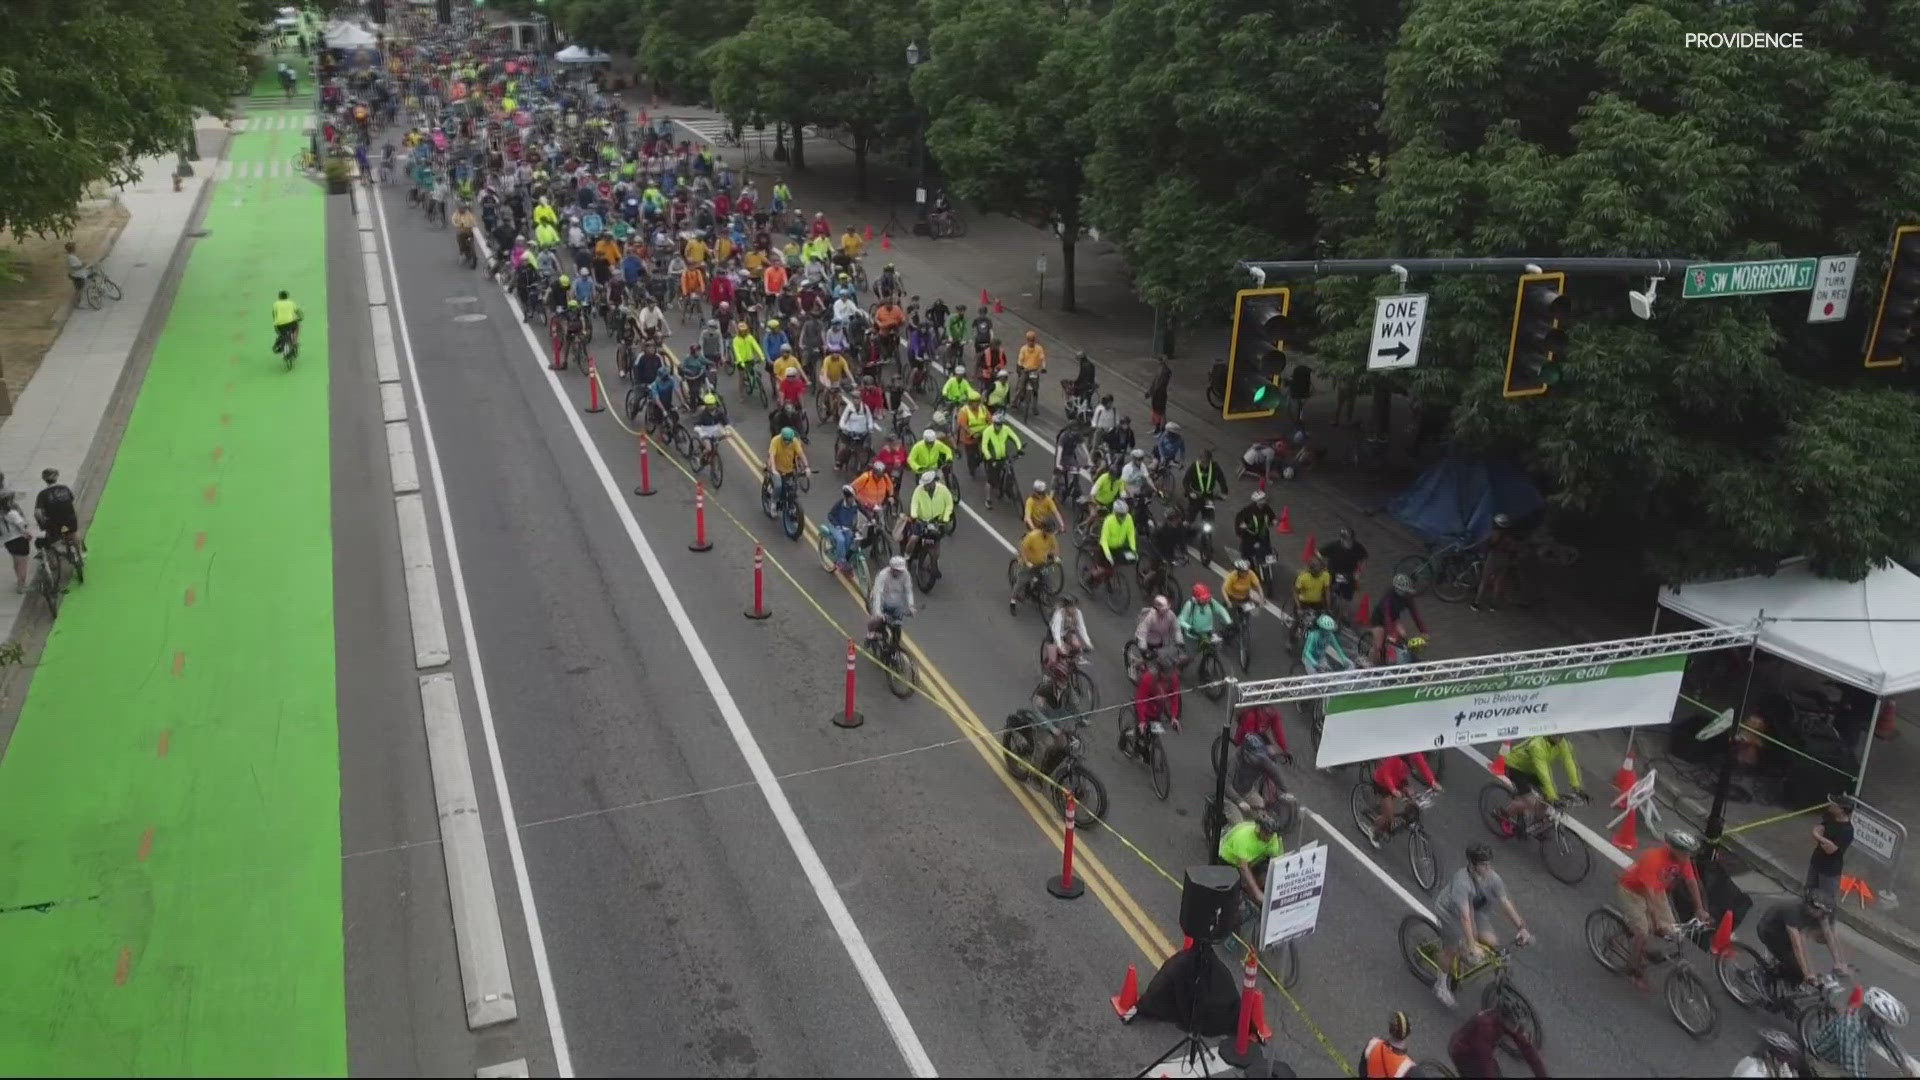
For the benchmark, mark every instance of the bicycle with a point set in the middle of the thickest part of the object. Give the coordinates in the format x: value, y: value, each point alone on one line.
x: 306, y: 161
x: 1567, y: 857
x: 1049, y: 749
x: 1445, y: 562
x: 1209, y: 671
x: 1420, y: 948
x: 1153, y: 752
x: 704, y: 453
x: 98, y: 287
x: 1026, y: 394
x: 924, y: 563
x: 50, y: 578
x: 1277, y: 801
x: 1000, y: 479
x: 1749, y: 978
x: 1066, y: 682
x: 287, y: 342
x: 752, y: 386
x: 785, y: 507
x: 1098, y: 579
x: 902, y: 675
x: 1364, y: 803
x: 1042, y: 585
x: 1687, y: 997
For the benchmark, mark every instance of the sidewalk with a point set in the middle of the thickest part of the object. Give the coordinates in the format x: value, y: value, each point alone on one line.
x: 57, y: 419
x: 1600, y: 598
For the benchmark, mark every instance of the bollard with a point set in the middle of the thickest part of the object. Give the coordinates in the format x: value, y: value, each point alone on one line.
x: 646, y: 480
x: 559, y: 358
x: 849, y: 718
x: 759, y: 609
x: 1238, y: 1054
x: 1065, y: 887
x: 593, y: 388
x: 700, y: 542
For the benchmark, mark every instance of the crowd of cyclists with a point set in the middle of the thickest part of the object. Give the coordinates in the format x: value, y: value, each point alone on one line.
x: 606, y: 223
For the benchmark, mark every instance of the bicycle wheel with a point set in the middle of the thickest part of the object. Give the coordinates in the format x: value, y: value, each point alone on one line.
x: 1567, y: 857
x: 49, y: 581
x: 1219, y: 751
x: 1608, y: 939
x: 1458, y: 580
x: 107, y: 286
x: 91, y: 293
x: 76, y: 560
x: 1364, y: 803
x: 1082, y: 696
x: 1132, y: 659
x: 827, y: 561
x: 1243, y: 646
x: 1158, y: 767
x: 1089, y: 795
x: 716, y: 467
x: 1418, y: 570
x: 1494, y: 798
x: 1116, y: 594
x: 957, y: 229
x: 1422, y: 859
x: 1420, y: 947
x: 1742, y: 972
x: 790, y: 520
x: 1690, y: 1003
x: 1503, y: 995
x: 1813, y: 1021
x: 903, y: 677
x: 1212, y: 675
x: 923, y: 575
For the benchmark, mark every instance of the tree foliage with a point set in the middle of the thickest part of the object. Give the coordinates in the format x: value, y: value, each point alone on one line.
x: 1724, y: 434
x: 669, y: 39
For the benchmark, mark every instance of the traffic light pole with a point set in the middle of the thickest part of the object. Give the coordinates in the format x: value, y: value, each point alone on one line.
x: 1528, y: 264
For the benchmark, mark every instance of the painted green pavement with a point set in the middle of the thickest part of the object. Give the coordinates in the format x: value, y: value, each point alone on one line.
x: 171, y: 795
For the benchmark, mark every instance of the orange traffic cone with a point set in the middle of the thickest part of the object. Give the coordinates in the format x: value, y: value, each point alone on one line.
x: 1261, y: 1029
x: 1627, y: 836
x: 1186, y: 943
x: 1128, y: 997
x: 869, y: 234
x: 886, y: 241
x: 998, y: 307
x: 1311, y: 550
x: 1500, y: 760
x: 1853, y: 999
x: 1623, y: 779
x: 1285, y: 528
x: 983, y: 298
x: 1365, y: 610
x: 1723, y: 937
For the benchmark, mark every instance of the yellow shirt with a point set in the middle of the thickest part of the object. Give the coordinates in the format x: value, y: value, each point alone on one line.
x: 755, y: 262
x: 1037, y: 547
x: 1032, y: 357
x: 783, y: 365
x: 1040, y: 508
x: 850, y: 244
x: 783, y: 456
x: 696, y: 250
x: 1239, y: 584
x: 833, y: 369
x: 284, y: 312
x: 723, y: 249
x: 1311, y: 588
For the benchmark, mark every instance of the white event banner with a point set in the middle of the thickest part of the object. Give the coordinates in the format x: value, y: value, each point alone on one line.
x: 1381, y: 723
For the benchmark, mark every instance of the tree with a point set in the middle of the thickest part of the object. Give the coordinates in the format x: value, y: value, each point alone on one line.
x: 1723, y: 435
x: 87, y: 87
x: 668, y: 39
x: 1008, y: 89
x: 1229, y: 129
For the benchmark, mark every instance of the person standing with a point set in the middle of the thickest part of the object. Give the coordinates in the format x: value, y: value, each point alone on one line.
x: 13, y: 533
x: 1157, y: 395
x: 1831, y: 839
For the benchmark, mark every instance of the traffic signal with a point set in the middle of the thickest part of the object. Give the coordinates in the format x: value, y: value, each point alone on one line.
x: 1539, y: 340
x: 1257, y: 354
x: 1891, y: 341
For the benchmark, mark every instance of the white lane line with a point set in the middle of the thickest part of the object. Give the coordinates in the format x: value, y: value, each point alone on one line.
x: 828, y: 894
x: 1594, y: 840
x: 515, y: 1068
x: 536, y: 939
x: 423, y: 585
x: 463, y: 847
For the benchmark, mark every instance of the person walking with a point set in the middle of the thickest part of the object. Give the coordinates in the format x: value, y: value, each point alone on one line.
x: 14, y: 534
x: 1831, y: 839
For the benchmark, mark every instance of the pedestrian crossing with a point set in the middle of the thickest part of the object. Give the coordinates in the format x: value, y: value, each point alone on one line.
x: 282, y: 121
x: 715, y: 129
x: 257, y: 170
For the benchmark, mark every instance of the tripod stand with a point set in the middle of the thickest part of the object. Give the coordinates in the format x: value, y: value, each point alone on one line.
x: 1192, y: 1050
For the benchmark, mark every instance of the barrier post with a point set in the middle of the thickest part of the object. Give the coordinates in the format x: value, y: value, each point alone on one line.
x: 759, y: 609
x: 700, y: 542
x: 1065, y: 887
x: 849, y: 718
x: 1239, y: 1054
x: 645, y: 486
x: 593, y: 388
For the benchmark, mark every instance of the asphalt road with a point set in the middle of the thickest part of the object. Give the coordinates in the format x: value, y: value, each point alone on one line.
x: 684, y: 931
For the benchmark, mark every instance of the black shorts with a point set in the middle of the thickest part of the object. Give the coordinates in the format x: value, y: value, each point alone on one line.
x: 1343, y: 586
x: 18, y: 546
x: 1524, y: 782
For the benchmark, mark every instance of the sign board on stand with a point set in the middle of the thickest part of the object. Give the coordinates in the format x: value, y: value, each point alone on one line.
x: 1832, y: 285
x: 1397, y: 325
x: 1295, y: 882
x: 1876, y: 834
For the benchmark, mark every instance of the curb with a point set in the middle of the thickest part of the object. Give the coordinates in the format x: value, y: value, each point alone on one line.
x: 1883, y: 931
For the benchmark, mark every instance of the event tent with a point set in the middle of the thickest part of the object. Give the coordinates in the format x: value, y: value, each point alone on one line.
x: 345, y: 35
x: 575, y: 54
x: 1864, y: 633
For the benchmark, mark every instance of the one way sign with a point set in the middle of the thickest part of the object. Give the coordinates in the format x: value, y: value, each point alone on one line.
x: 1397, y: 323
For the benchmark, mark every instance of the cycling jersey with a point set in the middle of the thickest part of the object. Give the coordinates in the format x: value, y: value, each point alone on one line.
x: 998, y: 440
x: 1117, y: 533
x: 1393, y: 773
x: 785, y: 365
x: 746, y: 351
x: 1656, y: 871
x: 1106, y: 488
x: 1037, y: 547
x: 1239, y: 585
x: 932, y: 504
x: 928, y: 458
x: 872, y: 490
x: 1241, y: 845
x: 1041, y: 508
x: 1310, y: 589
x: 1319, y: 643
x: 1201, y: 620
x: 285, y: 312
x: 834, y: 369
x: 1536, y: 758
x: 784, y: 457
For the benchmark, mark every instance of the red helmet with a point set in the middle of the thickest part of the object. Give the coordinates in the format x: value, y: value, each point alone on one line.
x: 1201, y: 593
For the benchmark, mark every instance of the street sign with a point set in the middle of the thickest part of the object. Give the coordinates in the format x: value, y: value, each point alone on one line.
x: 1711, y: 281
x: 1295, y: 882
x: 1397, y: 325
x: 1876, y: 834
x: 1832, y: 284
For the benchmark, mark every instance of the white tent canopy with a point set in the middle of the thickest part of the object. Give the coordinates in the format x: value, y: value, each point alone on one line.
x: 1881, y: 657
x: 575, y: 54
x: 345, y: 35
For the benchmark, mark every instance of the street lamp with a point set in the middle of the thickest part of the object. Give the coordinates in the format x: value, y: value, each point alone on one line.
x: 920, y: 194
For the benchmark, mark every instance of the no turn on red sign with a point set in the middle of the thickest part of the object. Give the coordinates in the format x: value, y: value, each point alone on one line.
x: 1832, y: 285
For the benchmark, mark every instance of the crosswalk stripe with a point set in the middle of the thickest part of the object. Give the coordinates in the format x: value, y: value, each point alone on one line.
x: 274, y: 172
x: 223, y: 171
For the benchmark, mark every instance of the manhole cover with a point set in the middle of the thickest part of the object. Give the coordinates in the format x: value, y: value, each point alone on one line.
x: 470, y: 317
x: 463, y: 300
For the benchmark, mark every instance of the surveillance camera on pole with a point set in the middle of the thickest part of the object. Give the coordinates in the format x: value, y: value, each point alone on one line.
x: 1642, y: 303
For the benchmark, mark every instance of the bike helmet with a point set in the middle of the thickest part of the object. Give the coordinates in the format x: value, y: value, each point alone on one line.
x: 1173, y: 428
x: 878, y: 466
x: 898, y: 562
x: 1682, y: 841
x: 1398, y: 1026
x: 1478, y: 853
x: 846, y: 491
x: 1259, y: 497
x: 1201, y: 593
x: 573, y: 305
x: 1120, y: 506
x: 48, y: 476
x: 1346, y: 536
x: 565, y: 281
x: 1039, y: 487
x: 1325, y: 622
x: 1266, y: 821
x: 1885, y: 1007
x: 773, y: 324
x: 1161, y: 603
x: 1136, y: 453
x: 786, y: 434
x: 1402, y: 584
x: 1004, y: 375
x: 709, y: 399
x: 927, y: 478
x: 1080, y: 354
x: 999, y: 417
x: 929, y: 436
x: 1501, y: 521
x: 1242, y: 565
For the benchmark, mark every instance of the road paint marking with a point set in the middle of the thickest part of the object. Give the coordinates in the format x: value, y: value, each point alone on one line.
x: 179, y: 662
x: 211, y: 494
x: 376, y: 285
x: 199, y: 540
x: 146, y: 844
x: 825, y: 891
x: 124, y: 967
x: 515, y: 1068
x: 189, y: 598
x: 1594, y: 840
x: 166, y: 742
x: 423, y: 583
x: 483, y: 701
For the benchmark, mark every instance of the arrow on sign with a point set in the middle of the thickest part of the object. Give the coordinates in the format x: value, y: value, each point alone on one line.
x: 1399, y: 351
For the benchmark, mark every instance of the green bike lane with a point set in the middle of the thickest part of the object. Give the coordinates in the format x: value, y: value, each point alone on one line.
x: 170, y: 894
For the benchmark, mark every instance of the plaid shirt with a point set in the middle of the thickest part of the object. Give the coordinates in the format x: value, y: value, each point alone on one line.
x: 1844, y: 1043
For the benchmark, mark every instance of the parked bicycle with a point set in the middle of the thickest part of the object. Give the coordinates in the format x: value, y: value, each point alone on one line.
x: 98, y: 288
x: 1447, y: 562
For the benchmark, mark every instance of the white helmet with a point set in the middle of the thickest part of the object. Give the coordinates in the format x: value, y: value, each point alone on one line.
x: 897, y: 563
x: 1119, y: 506
x: 1137, y: 453
x: 928, y: 436
x: 1885, y: 1007
x: 1173, y: 428
x: 1259, y: 496
x: 927, y: 478
x: 1039, y: 487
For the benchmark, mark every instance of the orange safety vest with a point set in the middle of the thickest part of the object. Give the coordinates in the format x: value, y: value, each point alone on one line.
x: 1381, y: 1059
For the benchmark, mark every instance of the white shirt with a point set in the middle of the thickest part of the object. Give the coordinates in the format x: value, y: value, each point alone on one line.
x: 856, y: 420
x: 1078, y: 627
x: 12, y: 526
x: 652, y: 318
x: 846, y: 309
x: 1133, y: 476
x: 1105, y: 418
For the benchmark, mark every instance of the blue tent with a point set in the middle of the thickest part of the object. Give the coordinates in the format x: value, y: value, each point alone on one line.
x: 1457, y: 497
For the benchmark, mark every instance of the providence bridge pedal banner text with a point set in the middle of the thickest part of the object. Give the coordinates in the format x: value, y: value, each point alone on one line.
x: 1380, y: 723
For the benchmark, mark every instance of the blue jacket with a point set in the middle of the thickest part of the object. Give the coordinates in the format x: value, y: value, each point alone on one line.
x: 844, y: 514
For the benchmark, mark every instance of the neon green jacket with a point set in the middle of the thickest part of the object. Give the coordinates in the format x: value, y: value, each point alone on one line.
x: 1536, y: 757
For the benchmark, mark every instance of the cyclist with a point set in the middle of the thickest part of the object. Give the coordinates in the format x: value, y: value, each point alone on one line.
x: 1118, y: 539
x: 856, y: 427
x: 1844, y: 1040
x: 1072, y: 468
x: 1203, y: 618
x: 660, y: 390
x: 1241, y: 586
x: 1170, y: 449
x: 835, y: 374
x: 1203, y: 481
x: 1158, y: 630
x: 954, y: 391
x: 1472, y: 1047
x: 286, y: 324
x: 1530, y: 773
x: 969, y: 424
x: 785, y: 363
x: 1000, y: 392
x: 1137, y: 477
x: 888, y: 287
x: 746, y: 352
x: 1390, y: 779
x: 1310, y: 588
x: 1643, y: 893
x: 1106, y: 415
x: 1459, y: 904
x: 710, y: 422
x: 1253, y: 759
x: 999, y: 444
x: 1246, y: 845
x: 1157, y: 694
x: 1784, y: 929
x: 874, y: 487
x: 844, y: 520
x: 786, y: 456
x: 1388, y: 1056
x: 1041, y: 509
x: 55, y: 510
x: 929, y: 455
x: 1778, y: 1055
x: 463, y: 226
x: 1322, y: 650
x: 892, y: 601
x: 1038, y: 550
x: 1033, y: 363
x: 1254, y: 526
x: 1107, y: 487
x: 1084, y: 377
x: 1502, y: 550
x: 929, y: 514
x: 1344, y: 558
x: 1388, y: 614
x: 1118, y: 443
